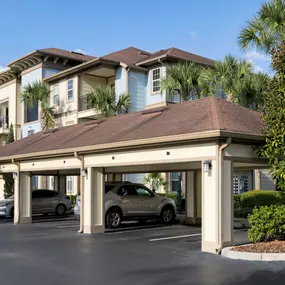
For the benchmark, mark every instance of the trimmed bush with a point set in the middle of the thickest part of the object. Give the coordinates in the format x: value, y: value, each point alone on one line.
x: 258, y: 198
x: 267, y: 223
x: 246, y: 202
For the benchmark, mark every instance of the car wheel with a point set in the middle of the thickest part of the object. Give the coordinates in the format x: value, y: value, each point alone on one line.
x: 114, y: 218
x: 60, y: 210
x: 12, y: 213
x: 167, y: 215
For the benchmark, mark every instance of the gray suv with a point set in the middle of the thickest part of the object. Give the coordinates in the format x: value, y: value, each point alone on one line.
x: 131, y: 201
x: 43, y: 202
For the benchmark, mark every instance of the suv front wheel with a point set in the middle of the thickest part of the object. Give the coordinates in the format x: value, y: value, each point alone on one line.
x: 114, y: 218
x: 167, y: 215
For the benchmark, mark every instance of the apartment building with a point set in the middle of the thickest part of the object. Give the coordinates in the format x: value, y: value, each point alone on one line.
x: 72, y: 75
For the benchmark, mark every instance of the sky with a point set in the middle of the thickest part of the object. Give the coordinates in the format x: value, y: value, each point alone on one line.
x: 97, y: 27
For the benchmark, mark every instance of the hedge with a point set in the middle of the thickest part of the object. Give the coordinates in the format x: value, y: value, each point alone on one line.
x: 246, y: 202
x: 267, y: 223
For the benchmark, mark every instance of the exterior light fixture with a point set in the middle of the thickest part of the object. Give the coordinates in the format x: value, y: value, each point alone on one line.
x: 207, y: 165
x: 83, y: 172
x: 15, y: 175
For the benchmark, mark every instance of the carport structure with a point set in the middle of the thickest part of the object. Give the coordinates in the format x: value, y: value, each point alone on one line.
x: 206, y: 138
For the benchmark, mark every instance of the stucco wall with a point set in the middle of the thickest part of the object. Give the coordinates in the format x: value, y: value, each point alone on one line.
x: 10, y: 92
x: 67, y: 108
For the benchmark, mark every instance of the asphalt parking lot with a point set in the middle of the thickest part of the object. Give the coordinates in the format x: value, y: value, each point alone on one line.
x: 54, y: 253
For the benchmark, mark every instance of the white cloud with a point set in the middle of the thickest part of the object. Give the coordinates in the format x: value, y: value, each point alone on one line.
x: 2, y: 68
x: 81, y: 51
x: 192, y: 34
x: 256, y: 67
x: 255, y: 55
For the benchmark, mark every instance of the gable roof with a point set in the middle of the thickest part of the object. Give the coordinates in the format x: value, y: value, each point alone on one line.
x: 209, y: 117
x: 53, y: 52
x: 176, y: 53
x: 129, y: 55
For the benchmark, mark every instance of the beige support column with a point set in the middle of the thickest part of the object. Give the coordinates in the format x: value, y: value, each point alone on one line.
x: 191, y: 198
x: 94, y: 218
x: 257, y: 180
x: 60, y: 183
x: 217, y: 209
x: 23, y: 199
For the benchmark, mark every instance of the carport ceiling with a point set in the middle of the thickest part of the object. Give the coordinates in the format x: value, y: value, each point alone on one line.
x: 206, y: 119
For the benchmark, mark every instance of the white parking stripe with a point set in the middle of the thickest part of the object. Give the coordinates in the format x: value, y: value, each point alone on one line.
x: 70, y: 226
x: 175, y: 237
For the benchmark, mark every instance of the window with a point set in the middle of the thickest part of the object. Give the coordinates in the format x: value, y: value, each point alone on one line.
x: 69, y: 184
x: 55, y: 95
x: 127, y: 190
x: 156, y: 80
x: 70, y: 89
x: 143, y: 192
x: 175, y: 181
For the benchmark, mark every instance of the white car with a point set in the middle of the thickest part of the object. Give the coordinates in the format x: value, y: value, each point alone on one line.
x: 126, y: 200
x: 43, y: 202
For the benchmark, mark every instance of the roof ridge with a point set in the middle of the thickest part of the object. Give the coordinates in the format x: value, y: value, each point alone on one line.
x: 218, y: 122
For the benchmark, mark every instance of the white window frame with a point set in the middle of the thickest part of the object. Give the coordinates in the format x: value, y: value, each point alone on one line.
x: 69, y: 90
x: 155, y: 80
x: 56, y: 94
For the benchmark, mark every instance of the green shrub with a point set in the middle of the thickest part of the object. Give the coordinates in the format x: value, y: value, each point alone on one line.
x: 258, y: 198
x: 267, y: 223
x: 172, y: 196
x: 246, y: 202
x: 237, y: 202
x: 73, y: 199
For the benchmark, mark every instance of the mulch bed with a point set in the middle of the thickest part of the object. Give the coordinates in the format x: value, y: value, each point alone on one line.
x: 263, y: 247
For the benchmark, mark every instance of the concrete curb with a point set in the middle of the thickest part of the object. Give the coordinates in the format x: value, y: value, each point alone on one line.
x: 229, y: 253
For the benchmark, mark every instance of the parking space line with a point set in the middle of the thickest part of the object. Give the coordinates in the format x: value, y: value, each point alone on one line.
x: 69, y: 226
x: 175, y: 237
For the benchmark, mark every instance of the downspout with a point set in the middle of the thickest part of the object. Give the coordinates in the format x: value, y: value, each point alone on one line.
x: 18, y: 192
x: 82, y: 178
x: 220, y: 185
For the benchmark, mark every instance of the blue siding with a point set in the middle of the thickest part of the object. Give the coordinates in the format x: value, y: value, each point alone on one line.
x: 49, y: 72
x: 137, y: 90
x: 120, y: 81
x: 154, y: 98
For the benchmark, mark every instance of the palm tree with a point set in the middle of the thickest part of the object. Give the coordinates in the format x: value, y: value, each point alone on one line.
x: 103, y: 99
x: 184, y: 76
x: 155, y: 180
x: 39, y: 93
x: 267, y: 28
x: 253, y: 91
x: 226, y: 76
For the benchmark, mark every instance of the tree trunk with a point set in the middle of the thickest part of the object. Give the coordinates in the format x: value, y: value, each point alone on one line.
x: 230, y: 98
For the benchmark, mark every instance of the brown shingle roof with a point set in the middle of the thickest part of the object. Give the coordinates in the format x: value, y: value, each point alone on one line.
x: 129, y: 55
x: 197, y: 116
x: 68, y: 54
x: 179, y: 54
